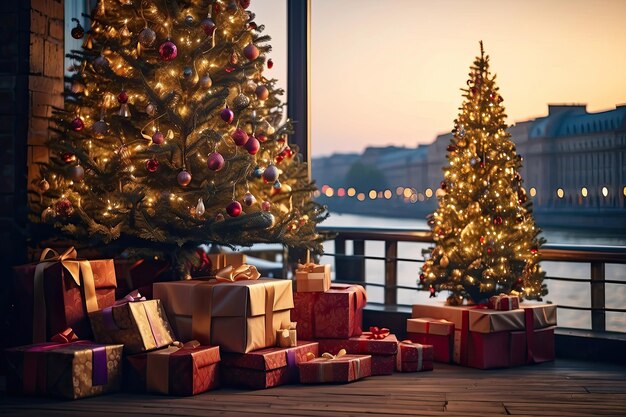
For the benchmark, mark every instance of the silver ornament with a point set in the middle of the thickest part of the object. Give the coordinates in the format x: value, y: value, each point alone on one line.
x: 249, y: 199
x: 241, y: 101
x: 146, y: 37
x: 249, y: 87
x: 151, y: 109
x: 200, y: 209
x: 77, y: 173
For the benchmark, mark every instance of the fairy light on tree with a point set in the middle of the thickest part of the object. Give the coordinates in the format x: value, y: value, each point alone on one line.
x: 486, y: 240
x: 172, y: 136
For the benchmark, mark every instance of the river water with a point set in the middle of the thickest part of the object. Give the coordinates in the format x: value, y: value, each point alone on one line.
x: 565, y: 293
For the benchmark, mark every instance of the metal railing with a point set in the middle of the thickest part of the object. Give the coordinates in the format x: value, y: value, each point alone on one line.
x: 353, y: 265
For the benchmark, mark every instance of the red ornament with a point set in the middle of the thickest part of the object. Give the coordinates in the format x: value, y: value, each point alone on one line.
x: 215, y: 161
x: 158, y: 137
x: 122, y: 97
x: 270, y: 63
x: 168, y: 51
x: 488, y: 250
x: 251, y: 52
x: 208, y: 25
x: 474, y: 90
x: 262, y: 93
x: 216, y: 8
x: 534, y: 251
x: 77, y: 31
x: 240, y: 137
x: 227, y: 115
x: 229, y: 68
x: 262, y: 138
x: 64, y: 207
x: 234, y: 209
x: 244, y: 3
x: 442, y: 185
x: 497, y: 220
x: 482, y: 239
x: 432, y: 291
x: 183, y: 178
x: 422, y: 277
x: 266, y: 205
x: 68, y: 157
x: 77, y: 124
x: 252, y: 145
x: 451, y: 148
x: 152, y: 165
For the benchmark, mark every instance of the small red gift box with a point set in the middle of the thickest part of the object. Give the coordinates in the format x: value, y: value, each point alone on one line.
x: 383, y: 351
x: 140, y: 275
x: 58, y: 293
x: 414, y: 357
x: 265, y: 368
x: 435, y: 332
x: 345, y: 368
x: 189, y: 369
x: 334, y: 314
x: 504, y: 302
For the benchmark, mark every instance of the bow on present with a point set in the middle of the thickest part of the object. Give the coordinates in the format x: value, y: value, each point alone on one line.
x: 504, y: 302
x: 241, y: 273
x: 326, y: 355
x: 66, y: 336
x: 192, y: 344
x: 307, y: 267
x: 131, y: 297
x: 378, y: 333
x: 287, y: 337
x: 76, y: 269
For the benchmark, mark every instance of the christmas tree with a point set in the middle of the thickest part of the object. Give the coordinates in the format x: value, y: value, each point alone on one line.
x: 173, y: 137
x: 486, y: 240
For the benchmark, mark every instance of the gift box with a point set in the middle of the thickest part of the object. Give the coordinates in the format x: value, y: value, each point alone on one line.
x: 311, y: 277
x: 183, y: 370
x: 383, y: 351
x: 238, y: 316
x: 287, y: 337
x: 334, y: 314
x: 141, y: 274
x: 339, y: 369
x: 504, y: 302
x: 414, y: 357
x: 58, y: 293
x: 435, y: 332
x: 69, y: 370
x: 540, y: 322
x: 265, y: 368
x: 138, y: 324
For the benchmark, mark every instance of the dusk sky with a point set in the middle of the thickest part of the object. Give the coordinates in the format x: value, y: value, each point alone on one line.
x: 389, y: 72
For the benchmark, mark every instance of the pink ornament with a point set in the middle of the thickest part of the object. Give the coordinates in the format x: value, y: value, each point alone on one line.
x: 266, y: 205
x: 261, y: 137
x: 234, y: 209
x: 252, y: 145
x: 158, y: 137
x: 77, y: 124
x: 262, y: 93
x: 183, y: 178
x: 240, y: 137
x: 215, y: 161
x: 270, y: 174
x: 168, y: 51
x: 244, y: 3
x: 152, y: 165
x: 227, y: 115
x: 64, y: 207
x: 208, y: 25
x: 251, y: 52
x: 249, y: 199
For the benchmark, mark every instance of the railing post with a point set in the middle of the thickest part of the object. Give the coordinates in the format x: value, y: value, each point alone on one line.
x: 391, y: 272
x: 598, y: 317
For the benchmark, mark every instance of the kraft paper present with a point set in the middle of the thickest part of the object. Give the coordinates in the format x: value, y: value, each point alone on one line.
x: 174, y: 370
x: 342, y: 369
x: 313, y: 278
x: 139, y: 325
x: 239, y: 316
x: 414, y: 357
x: 68, y: 370
x: 57, y: 293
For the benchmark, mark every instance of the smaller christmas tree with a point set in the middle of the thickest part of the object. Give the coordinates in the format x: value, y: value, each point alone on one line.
x: 486, y: 239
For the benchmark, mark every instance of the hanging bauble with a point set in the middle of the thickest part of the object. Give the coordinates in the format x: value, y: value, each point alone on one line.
x: 77, y: 124
x: 497, y: 220
x: 200, y: 209
x: 64, y: 207
x: 451, y: 148
x: 187, y: 72
x: 534, y: 250
x: 152, y: 165
x: 77, y: 31
x: 100, y: 128
x: 270, y: 63
x: 77, y: 87
x: 266, y: 205
x: 249, y: 87
x: 422, y: 277
x: 249, y: 199
x: 206, y: 81
x: 77, y: 173
x: 241, y: 101
x: 215, y: 161
x: 257, y: 172
x: 443, y: 185
x: 261, y: 137
x: 252, y: 145
x: 240, y: 137
x: 168, y: 51
x: 234, y: 209
x: 244, y: 4
x: 48, y: 215
x: 122, y: 98
x: 262, y: 93
x: 146, y: 37
x: 158, y: 137
x: 208, y: 25
x: 270, y: 174
x: 183, y: 178
x: 189, y: 19
x: 251, y: 52
x: 101, y: 64
x: 151, y: 109
x: 68, y: 157
x: 43, y: 186
x: 227, y: 115
x: 492, y: 96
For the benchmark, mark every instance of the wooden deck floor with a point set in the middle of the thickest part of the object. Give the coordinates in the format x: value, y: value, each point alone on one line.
x: 562, y: 388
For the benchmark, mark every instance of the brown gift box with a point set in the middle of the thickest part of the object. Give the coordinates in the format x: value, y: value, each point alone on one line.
x: 139, y: 325
x: 238, y: 316
x: 313, y: 278
x: 71, y: 370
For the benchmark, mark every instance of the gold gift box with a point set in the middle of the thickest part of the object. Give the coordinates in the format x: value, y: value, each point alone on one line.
x: 313, y: 278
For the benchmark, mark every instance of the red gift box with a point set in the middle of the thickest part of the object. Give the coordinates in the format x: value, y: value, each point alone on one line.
x: 57, y: 293
x: 346, y: 368
x: 265, y: 368
x: 334, y: 314
x: 504, y: 302
x: 140, y: 275
x: 414, y: 357
x: 435, y: 332
x: 383, y: 351
x: 187, y: 370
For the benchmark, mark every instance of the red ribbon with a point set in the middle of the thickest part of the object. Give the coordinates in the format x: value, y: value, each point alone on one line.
x: 378, y: 333
x: 530, y: 333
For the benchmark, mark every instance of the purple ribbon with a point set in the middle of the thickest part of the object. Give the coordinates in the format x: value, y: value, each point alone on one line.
x: 107, y: 313
x: 100, y: 376
x: 292, y: 365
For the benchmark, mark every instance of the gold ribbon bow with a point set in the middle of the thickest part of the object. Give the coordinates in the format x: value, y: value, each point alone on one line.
x: 307, y: 267
x: 75, y: 268
x: 326, y: 355
x: 192, y: 344
x: 241, y: 273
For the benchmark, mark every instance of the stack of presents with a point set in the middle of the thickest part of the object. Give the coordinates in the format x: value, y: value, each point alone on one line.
x: 234, y: 329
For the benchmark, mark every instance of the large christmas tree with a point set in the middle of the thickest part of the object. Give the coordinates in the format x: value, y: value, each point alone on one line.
x: 172, y: 136
x: 486, y: 238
